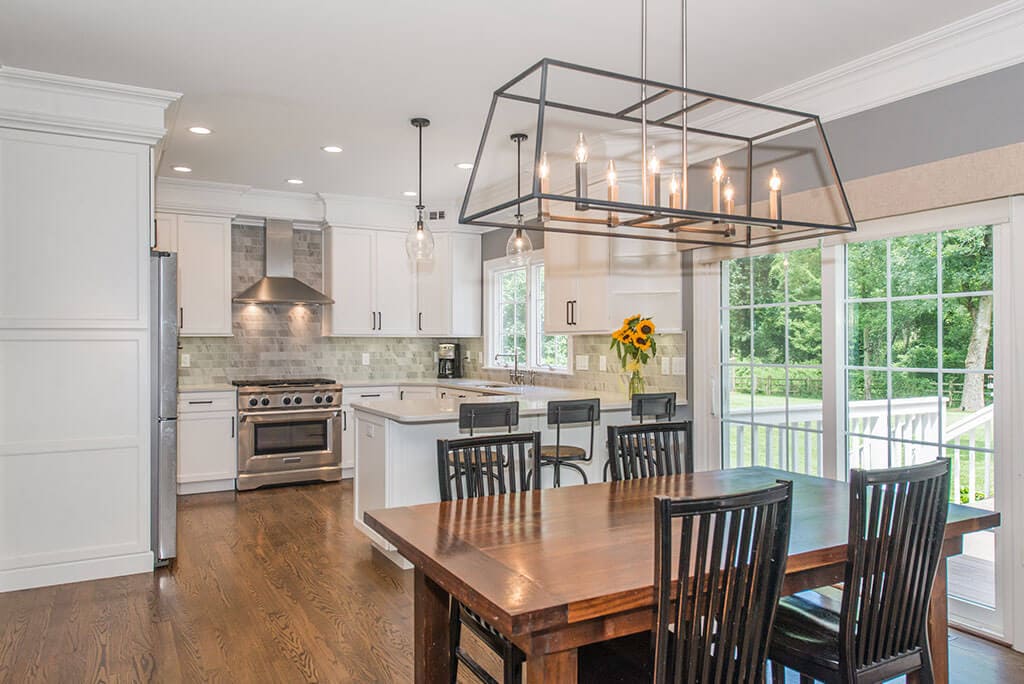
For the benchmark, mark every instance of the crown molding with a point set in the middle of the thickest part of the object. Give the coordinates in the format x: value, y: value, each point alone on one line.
x: 207, y: 198
x: 979, y: 44
x: 38, y: 101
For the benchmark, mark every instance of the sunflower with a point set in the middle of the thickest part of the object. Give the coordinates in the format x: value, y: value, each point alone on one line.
x: 645, y: 327
x: 629, y: 321
x: 626, y: 337
x: 641, y: 342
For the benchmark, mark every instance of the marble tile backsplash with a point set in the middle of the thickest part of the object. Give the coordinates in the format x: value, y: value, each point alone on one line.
x: 285, y: 340
x: 611, y: 380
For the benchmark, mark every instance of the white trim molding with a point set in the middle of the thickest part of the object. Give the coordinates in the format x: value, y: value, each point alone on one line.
x: 51, y: 103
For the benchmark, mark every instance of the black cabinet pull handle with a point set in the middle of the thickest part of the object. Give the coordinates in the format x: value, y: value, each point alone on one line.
x: 368, y: 396
x: 401, y: 394
x: 181, y: 314
x: 232, y: 427
x: 421, y: 322
x: 380, y: 321
x: 567, y: 321
x: 205, y: 401
x: 344, y: 421
x: 574, y: 303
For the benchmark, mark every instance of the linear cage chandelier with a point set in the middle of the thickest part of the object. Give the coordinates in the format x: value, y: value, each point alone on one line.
x: 623, y: 156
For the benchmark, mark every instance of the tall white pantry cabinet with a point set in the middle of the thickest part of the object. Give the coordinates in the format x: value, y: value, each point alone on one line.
x: 75, y: 236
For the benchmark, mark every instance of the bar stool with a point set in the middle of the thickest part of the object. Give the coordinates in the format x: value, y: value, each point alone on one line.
x: 488, y: 415
x: 572, y: 411
x: 660, y: 406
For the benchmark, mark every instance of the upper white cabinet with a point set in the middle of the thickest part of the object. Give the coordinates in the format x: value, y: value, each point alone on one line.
x: 203, y: 244
x: 372, y: 282
x: 449, y: 288
x: 592, y: 283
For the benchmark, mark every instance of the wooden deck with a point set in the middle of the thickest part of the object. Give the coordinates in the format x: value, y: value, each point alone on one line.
x: 271, y: 585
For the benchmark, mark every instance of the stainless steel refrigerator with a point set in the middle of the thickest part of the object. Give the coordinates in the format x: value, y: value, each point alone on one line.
x: 164, y: 404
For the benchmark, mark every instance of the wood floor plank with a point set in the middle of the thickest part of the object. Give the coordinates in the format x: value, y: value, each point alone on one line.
x: 270, y: 585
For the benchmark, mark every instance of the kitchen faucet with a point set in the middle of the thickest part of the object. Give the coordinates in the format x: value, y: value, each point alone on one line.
x: 515, y: 376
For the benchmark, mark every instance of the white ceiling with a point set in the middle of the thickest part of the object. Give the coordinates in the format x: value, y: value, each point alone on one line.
x: 278, y: 80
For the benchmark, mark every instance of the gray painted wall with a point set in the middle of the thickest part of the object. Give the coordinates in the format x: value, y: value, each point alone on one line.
x: 978, y: 114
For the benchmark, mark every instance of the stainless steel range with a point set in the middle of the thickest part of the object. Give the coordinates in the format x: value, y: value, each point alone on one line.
x: 289, y: 430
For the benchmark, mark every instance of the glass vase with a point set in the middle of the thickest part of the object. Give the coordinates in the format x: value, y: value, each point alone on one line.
x: 636, y: 383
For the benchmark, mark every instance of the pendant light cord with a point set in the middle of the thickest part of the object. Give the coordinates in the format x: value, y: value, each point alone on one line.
x: 519, y: 180
x: 419, y: 191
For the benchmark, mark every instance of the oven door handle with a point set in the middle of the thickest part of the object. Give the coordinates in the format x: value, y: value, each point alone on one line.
x: 282, y: 416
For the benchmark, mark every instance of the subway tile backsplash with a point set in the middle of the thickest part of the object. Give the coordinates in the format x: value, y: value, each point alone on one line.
x: 285, y: 340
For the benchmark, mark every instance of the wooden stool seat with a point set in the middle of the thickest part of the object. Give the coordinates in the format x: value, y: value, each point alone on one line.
x: 563, y: 453
x: 808, y: 624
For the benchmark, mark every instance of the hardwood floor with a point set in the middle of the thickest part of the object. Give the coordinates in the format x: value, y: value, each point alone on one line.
x: 270, y: 586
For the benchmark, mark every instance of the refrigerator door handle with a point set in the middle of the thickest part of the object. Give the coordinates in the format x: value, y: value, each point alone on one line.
x: 232, y: 427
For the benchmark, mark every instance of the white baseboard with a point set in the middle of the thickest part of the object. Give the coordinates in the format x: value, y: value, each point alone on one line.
x: 205, y: 487
x: 393, y: 556
x: 348, y: 473
x: 75, y: 571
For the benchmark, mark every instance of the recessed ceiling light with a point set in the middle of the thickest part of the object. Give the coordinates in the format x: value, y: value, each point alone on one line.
x: 464, y: 165
x: 409, y: 193
x: 200, y: 130
x: 182, y: 169
x: 331, y: 148
x: 295, y: 181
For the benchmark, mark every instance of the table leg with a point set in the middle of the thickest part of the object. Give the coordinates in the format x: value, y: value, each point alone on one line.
x: 552, y: 668
x: 430, y: 623
x: 938, y: 629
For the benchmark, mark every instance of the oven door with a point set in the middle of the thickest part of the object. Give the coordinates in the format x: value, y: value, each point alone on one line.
x: 273, y: 441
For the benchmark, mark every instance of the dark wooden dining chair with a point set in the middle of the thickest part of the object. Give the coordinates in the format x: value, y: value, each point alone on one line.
x: 473, y: 415
x: 483, y: 466
x: 650, y: 449
x: 658, y: 406
x: 558, y: 455
x: 879, y: 628
x: 714, y: 624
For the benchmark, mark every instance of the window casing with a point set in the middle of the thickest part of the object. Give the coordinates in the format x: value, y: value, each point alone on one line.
x: 514, y: 318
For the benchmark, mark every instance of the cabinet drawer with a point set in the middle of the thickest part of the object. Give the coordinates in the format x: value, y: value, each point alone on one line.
x: 204, y: 402
x: 354, y: 394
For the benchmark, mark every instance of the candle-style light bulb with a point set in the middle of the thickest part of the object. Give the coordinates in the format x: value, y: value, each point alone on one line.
x: 581, y: 151
x: 544, y: 175
x: 543, y: 169
x: 729, y: 198
x: 613, y: 191
x: 674, y: 195
x: 582, y: 155
x: 775, y: 196
x: 653, y: 179
x: 717, y: 174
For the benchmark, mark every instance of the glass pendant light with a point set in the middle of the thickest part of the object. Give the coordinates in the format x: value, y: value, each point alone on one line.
x: 519, y: 244
x: 419, y: 242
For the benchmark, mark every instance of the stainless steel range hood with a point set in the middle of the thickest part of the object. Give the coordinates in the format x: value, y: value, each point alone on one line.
x: 279, y: 285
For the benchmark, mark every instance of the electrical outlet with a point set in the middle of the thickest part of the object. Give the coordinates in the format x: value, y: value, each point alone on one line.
x: 582, y: 362
x: 366, y: 358
x: 186, y: 360
x: 480, y: 358
x: 602, y: 363
x: 666, y: 365
x: 678, y: 365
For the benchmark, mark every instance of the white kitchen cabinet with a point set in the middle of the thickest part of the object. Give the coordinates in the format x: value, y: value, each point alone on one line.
x: 348, y: 441
x: 449, y: 287
x: 372, y: 282
x: 207, y: 442
x: 592, y: 283
x: 417, y: 392
x: 203, y: 244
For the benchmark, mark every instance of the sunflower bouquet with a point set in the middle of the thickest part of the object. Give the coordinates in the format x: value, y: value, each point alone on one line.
x: 635, y: 346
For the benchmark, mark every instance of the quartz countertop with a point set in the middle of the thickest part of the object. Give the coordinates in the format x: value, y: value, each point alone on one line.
x: 533, y: 401
x: 215, y: 387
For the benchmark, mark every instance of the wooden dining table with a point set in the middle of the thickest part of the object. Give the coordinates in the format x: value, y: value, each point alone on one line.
x: 557, y: 569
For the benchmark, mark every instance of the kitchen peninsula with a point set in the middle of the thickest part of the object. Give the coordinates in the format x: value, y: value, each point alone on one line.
x: 396, y: 443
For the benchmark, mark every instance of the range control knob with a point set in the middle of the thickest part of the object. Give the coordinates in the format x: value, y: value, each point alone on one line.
x: 286, y: 401
x: 298, y: 400
x: 329, y: 398
x: 254, y: 401
x: 318, y: 399
x: 265, y: 401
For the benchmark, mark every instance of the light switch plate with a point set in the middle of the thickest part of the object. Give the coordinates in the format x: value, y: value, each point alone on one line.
x: 582, y: 362
x: 602, y: 363
x: 480, y: 358
x: 186, y: 360
x: 678, y: 365
x: 366, y: 358
x: 666, y: 365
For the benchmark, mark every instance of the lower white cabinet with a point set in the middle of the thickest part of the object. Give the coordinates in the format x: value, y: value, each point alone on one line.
x: 348, y: 440
x: 417, y: 392
x: 449, y: 393
x: 207, y: 442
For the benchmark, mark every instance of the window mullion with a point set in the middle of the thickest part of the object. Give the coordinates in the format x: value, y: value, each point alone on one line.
x: 833, y: 361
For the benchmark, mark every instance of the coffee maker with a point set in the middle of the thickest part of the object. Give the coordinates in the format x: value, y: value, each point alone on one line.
x: 449, y: 360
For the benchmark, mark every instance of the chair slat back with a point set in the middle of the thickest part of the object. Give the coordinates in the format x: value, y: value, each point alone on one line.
x: 650, y: 449
x: 657, y: 405
x: 731, y: 564
x: 897, y: 525
x: 473, y: 415
x: 482, y: 466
